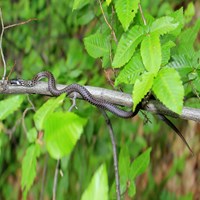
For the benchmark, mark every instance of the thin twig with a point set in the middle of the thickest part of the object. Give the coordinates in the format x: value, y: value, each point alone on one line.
x: 73, y: 102
x: 1, y: 48
x: 111, y: 133
x: 143, y: 18
x: 55, y: 181
x: 110, y: 27
x: 20, y: 23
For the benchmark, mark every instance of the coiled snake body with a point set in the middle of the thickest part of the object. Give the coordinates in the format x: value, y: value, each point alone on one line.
x: 86, y: 95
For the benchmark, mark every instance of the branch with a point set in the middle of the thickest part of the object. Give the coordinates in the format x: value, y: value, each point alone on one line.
x: 115, y: 97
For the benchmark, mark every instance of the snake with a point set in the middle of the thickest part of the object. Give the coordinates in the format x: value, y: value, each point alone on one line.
x: 86, y: 95
x: 83, y: 91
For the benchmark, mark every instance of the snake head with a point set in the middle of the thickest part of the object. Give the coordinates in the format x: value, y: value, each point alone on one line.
x: 21, y: 82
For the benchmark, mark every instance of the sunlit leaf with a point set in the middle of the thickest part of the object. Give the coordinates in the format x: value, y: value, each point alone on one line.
x: 126, y: 10
x: 78, y: 4
x: 97, y: 45
x: 10, y: 105
x: 151, y: 53
x: 142, y: 87
x: 131, y: 71
x: 127, y: 45
x: 169, y: 90
x: 163, y: 25
x: 46, y: 109
x: 98, y: 187
x: 62, y: 131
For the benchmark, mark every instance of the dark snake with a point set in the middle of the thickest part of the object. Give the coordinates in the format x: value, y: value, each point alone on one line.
x: 86, y: 95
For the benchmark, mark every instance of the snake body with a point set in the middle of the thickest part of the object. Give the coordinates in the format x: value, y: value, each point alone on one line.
x: 86, y: 95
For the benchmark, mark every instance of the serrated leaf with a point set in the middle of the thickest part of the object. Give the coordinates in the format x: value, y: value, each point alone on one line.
x: 126, y: 10
x: 47, y: 108
x: 131, y: 71
x: 178, y: 18
x: 183, y: 64
x: 165, y: 49
x: 163, y: 25
x: 169, y: 90
x: 97, y: 45
x: 142, y: 87
x: 151, y: 53
x: 62, y: 131
x: 140, y: 164
x: 127, y: 45
x: 98, y: 187
x: 187, y: 38
x: 10, y: 105
x: 29, y: 167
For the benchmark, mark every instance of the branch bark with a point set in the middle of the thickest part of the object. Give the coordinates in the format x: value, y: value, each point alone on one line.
x: 115, y: 97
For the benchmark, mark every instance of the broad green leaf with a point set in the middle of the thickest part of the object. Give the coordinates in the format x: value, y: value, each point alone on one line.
x: 62, y: 131
x: 165, y: 49
x: 32, y: 135
x: 142, y: 87
x: 131, y: 71
x: 169, y: 90
x: 140, y: 164
x: 151, y: 53
x: 97, y: 45
x: 126, y: 10
x: 10, y: 105
x: 98, y: 187
x: 46, y: 109
x: 163, y: 25
x: 127, y: 45
x: 29, y: 168
x: 78, y: 4
x: 124, y: 164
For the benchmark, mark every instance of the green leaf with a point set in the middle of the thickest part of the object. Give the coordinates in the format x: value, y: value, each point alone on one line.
x: 124, y: 164
x: 10, y: 105
x: 126, y: 10
x: 163, y: 25
x: 97, y: 45
x: 46, y: 109
x: 169, y: 90
x: 165, y: 49
x: 151, y: 53
x: 178, y: 18
x: 187, y: 39
x: 62, y: 131
x: 131, y: 71
x: 108, y: 2
x: 78, y: 4
x: 98, y: 187
x: 29, y: 167
x: 189, y: 12
x: 142, y: 87
x: 127, y: 45
x: 140, y: 164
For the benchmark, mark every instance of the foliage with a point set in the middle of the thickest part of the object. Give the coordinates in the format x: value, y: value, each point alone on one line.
x: 153, y: 50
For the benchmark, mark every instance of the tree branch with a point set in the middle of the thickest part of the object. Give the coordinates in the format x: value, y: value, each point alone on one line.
x: 115, y: 97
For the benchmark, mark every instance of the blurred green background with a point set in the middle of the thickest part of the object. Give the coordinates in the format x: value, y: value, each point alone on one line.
x: 54, y: 42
